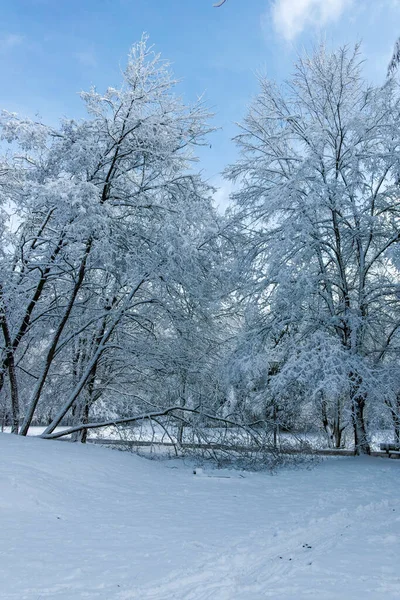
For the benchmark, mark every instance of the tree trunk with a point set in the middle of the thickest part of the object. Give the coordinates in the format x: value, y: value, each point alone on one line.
x: 4, y: 419
x: 338, y: 427
x: 397, y: 432
x: 394, y: 409
x: 325, y: 420
x: 85, y: 419
x: 338, y: 434
x: 101, y: 346
x: 26, y: 321
x: 358, y: 397
x: 14, y: 396
x: 53, y: 346
x: 179, y: 435
x: 82, y: 416
x: 396, y: 420
x: 361, y: 443
x: 11, y: 371
x: 276, y: 426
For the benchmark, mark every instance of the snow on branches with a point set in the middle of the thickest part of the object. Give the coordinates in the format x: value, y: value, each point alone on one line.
x: 318, y: 198
x: 123, y: 294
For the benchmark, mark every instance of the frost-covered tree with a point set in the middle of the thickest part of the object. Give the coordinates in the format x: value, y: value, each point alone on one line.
x: 395, y: 60
x: 319, y: 205
x: 114, y: 228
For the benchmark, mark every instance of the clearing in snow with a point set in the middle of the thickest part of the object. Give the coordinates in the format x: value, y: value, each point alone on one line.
x: 82, y: 522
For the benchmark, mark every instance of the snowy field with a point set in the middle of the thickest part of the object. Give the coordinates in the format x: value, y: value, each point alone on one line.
x: 91, y: 523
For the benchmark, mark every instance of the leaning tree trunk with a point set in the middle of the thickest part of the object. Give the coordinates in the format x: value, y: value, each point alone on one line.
x: 101, y: 346
x: 88, y: 398
x: 51, y: 352
x: 13, y: 344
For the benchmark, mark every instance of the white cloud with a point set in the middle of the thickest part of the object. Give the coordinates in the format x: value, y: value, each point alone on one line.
x: 10, y: 41
x: 291, y: 17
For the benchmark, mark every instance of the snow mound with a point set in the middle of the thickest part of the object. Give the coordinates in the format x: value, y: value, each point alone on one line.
x: 81, y: 522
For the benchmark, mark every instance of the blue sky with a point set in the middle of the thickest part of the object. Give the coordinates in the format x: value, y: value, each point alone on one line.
x: 52, y: 49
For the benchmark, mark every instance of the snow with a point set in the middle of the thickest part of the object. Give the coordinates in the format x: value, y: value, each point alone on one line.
x: 156, y: 434
x: 84, y: 522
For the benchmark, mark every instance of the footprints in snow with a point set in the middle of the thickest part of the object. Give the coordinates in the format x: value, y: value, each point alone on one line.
x: 306, y: 547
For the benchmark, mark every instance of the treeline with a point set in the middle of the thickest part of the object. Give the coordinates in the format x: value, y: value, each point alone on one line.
x: 123, y: 292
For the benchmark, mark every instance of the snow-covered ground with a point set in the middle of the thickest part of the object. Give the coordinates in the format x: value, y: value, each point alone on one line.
x: 83, y: 522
